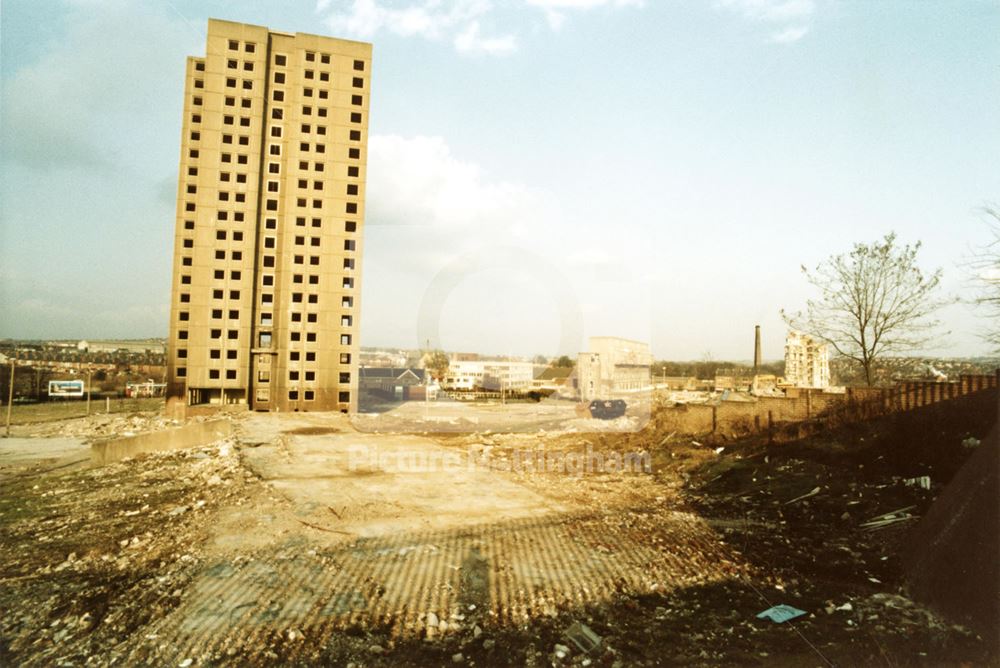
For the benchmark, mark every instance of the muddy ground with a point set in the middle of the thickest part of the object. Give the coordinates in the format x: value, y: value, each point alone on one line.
x: 302, y: 541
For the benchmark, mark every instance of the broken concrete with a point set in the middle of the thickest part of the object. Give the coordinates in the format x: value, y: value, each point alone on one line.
x: 189, y: 436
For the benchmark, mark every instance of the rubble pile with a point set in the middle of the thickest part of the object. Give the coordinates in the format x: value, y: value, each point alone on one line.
x: 89, y: 556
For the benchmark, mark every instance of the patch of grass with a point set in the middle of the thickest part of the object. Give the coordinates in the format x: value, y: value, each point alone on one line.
x: 51, y: 411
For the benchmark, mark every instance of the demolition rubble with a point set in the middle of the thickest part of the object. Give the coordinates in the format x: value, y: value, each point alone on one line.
x: 290, y: 543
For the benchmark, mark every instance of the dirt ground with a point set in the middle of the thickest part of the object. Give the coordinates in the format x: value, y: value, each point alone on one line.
x: 305, y: 541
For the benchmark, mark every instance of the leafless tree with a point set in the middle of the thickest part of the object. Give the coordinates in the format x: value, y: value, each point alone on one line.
x: 985, y: 266
x: 873, y: 301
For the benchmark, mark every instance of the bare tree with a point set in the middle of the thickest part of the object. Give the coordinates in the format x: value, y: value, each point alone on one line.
x: 985, y: 266
x: 872, y: 301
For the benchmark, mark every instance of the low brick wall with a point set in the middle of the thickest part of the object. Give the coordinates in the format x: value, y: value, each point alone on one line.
x: 178, y: 438
x: 801, y: 405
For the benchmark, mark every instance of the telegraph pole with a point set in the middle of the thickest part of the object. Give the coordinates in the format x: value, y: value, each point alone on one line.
x: 10, y: 395
x: 90, y: 372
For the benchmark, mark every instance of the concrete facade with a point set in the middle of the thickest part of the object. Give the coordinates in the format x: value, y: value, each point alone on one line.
x: 270, y: 211
x: 490, y: 375
x: 613, y: 367
x: 807, y: 361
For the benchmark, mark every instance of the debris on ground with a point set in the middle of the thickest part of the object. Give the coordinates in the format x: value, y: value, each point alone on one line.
x: 781, y: 613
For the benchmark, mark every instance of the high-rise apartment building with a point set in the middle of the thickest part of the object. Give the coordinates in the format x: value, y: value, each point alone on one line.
x: 270, y: 211
x: 807, y: 361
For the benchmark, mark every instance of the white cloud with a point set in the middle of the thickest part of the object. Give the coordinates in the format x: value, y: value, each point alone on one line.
x: 460, y: 21
x: 430, y: 19
x: 788, y: 20
x: 471, y: 41
x: 789, y: 35
x: 417, y: 181
x: 555, y: 10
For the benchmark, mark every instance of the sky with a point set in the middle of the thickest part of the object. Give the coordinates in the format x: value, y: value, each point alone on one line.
x: 539, y: 171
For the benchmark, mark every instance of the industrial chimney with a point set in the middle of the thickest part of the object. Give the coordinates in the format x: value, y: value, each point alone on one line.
x: 756, y: 350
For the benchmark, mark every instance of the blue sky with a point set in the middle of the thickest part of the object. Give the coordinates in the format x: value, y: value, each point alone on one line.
x: 567, y: 168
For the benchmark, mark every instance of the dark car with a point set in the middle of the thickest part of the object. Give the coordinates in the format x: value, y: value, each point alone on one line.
x: 607, y: 409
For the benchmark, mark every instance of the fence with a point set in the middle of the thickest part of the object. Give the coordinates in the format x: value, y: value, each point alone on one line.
x: 818, y: 407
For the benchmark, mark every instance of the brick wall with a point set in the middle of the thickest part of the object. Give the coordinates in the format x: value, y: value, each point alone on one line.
x: 763, y: 413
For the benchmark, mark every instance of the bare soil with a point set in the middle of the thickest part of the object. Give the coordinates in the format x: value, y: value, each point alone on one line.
x: 306, y: 542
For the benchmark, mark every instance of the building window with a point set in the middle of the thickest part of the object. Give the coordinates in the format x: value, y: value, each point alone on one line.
x: 350, y: 244
x: 181, y: 372
x: 231, y: 374
x: 355, y: 117
x: 213, y: 374
x: 345, y: 358
x: 358, y: 82
x: 354, y: 153
x: 344, y: 397
x: 356, y: 100
x: 293, y: 395
x: 309, y: 395
x: 345, y: 377
x: 280, y: 60
x: 279, y: 96
x: 346, y: 301
x: 215, y: 353
x: 249, y: 47
x: 359, y: 65
x: 345, y: 339
x: 310, y: 376
x: 279, y: 77
x: 353, y: 171
x: 182, y: 334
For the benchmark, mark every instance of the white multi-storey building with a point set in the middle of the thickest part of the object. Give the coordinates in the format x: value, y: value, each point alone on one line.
x: 807, y: 361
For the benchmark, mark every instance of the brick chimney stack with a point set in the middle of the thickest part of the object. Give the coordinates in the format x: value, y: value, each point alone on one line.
x: 756, y: 350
